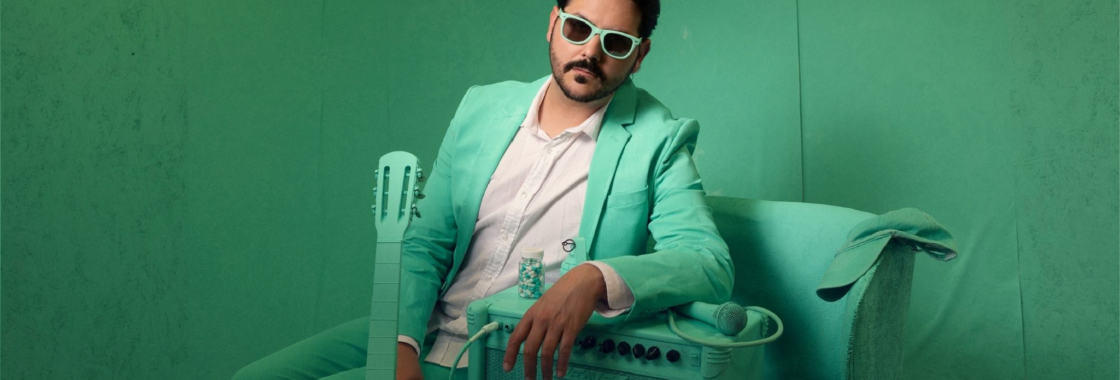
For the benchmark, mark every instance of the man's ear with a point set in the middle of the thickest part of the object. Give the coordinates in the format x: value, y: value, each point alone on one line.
x: 643, y: 50
x: 551, y: 23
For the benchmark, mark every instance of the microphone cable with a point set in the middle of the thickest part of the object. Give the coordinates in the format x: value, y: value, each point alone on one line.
x: 486, y: 329
x: 771, y: 338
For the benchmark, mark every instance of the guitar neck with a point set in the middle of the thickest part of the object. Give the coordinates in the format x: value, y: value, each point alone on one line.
x: 381, y: 357
x: 394, y: 208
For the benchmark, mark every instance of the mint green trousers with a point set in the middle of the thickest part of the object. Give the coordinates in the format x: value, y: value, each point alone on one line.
x: 336, y: 354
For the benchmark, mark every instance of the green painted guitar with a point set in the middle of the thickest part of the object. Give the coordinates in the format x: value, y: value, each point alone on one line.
x: 394, y: 206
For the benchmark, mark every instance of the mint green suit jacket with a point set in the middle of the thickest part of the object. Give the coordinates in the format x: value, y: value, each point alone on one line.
x: 642, y: 182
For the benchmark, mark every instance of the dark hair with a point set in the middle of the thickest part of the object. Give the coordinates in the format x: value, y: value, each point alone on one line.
x: 649, y: 9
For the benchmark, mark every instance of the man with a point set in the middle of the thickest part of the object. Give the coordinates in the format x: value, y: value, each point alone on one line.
x: 579, y: 153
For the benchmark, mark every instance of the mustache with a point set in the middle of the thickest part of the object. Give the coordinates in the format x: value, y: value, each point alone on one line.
x: 586, y: 65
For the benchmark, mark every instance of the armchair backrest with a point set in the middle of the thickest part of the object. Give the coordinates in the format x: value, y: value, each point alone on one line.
x: 781, y: 251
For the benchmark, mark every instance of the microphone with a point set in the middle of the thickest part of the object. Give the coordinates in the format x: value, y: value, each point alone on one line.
x: 729, y: 318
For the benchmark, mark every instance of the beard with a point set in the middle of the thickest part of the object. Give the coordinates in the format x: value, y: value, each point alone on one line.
x: 608, y: 84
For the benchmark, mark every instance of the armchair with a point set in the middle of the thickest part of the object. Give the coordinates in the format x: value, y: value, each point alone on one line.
x: 781, y: 251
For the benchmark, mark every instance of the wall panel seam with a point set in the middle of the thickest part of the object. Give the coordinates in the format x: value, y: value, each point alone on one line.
x: 800, y: 102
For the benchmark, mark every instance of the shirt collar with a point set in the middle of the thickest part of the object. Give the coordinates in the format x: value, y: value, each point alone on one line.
x: 590, y: 127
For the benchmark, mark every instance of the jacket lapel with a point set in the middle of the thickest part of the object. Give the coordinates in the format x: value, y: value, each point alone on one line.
x: 505, y: 123
x: 498, y: 133
x: 613, y: 137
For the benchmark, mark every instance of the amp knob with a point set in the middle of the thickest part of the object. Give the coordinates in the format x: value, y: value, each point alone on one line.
x: 653, y: 353
x: 607, y: 346
x: 673, y: 356
x: 587, y: 342
x: 623, y: 348
x: 639, y: 351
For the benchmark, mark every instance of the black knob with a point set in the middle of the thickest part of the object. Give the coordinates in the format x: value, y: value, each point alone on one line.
x: 639, y: 351
x: 623, y: 348
x: 607, y: 346
x: 673, y: 356
x: 587, y: 342
x: 653, y: 353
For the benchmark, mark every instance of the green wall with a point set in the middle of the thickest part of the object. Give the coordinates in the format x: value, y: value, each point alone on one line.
x: 903, y: 111
x: 185, y: 184
x: 1000, y: 119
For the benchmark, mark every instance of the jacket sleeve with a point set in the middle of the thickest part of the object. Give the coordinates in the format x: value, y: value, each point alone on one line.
x: 428, y: 248
x: 690, y: 261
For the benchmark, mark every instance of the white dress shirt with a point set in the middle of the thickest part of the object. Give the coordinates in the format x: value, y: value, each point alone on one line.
x: 534, y: 199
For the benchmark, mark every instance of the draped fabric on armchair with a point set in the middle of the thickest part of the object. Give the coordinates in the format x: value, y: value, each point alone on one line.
x: 781, y: 251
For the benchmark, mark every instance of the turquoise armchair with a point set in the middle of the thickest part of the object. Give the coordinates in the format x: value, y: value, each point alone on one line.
x: 781, y: 251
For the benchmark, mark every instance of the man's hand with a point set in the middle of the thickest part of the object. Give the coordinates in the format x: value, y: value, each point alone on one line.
x: 408, y: 363
x: 555, y: 320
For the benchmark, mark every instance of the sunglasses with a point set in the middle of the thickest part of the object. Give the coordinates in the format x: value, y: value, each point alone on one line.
x: 578, y: 31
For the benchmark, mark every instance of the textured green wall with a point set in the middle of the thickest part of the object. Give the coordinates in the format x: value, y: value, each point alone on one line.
x: 732, y: 65
x: 93, y: 182
x: 185, y: 184
x: 1064, y: 112
x: 907, y: 105
x: 999, y: 118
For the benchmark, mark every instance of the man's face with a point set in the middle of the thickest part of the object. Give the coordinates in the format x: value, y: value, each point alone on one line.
x: 584, y: 72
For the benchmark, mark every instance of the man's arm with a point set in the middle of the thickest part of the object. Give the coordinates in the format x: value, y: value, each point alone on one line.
x: 429, y: 243
x: 690, y: 261
x: 408, y: 363
x: 551, y: 325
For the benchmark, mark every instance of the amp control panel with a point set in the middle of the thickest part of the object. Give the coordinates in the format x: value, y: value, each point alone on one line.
x: 614, y: 349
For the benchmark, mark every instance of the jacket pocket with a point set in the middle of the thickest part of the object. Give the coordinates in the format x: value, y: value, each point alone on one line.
x: 626, y: 199
x: 623, y: 229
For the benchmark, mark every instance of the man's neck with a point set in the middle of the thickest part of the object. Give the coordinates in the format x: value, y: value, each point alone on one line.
x: 557, y: 112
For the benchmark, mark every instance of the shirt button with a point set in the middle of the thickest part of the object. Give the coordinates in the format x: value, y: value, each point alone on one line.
x: 505, y: 237
x: 524, y: 194
x: 549, y: 150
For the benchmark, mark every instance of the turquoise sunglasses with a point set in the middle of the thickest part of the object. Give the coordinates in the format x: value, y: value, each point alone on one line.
x: 578, y: 31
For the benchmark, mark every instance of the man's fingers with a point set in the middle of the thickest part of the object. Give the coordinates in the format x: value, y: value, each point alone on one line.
x: 548, y: 349
x: 514, y: 343
x: 532, y: 347
x: 565, y: 351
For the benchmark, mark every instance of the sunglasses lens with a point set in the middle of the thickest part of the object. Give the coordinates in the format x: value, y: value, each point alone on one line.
x: 576, y: 31
x: 616, y: 44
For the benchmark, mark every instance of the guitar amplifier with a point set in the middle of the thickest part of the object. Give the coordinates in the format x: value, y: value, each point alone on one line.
x: 607, y: 349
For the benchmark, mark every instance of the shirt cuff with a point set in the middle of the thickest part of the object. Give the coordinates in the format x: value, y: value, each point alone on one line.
x: 619, y: 296
x: 411, y: 342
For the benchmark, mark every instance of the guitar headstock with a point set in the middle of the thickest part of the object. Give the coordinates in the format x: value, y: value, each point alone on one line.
x: 395, y: 194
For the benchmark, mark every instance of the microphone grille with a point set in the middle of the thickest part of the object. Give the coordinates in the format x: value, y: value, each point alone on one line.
x: 731, y: 318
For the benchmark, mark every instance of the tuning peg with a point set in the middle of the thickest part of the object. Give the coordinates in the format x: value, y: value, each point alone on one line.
x: 415, y: 211
x: 373, y: 209
x: 376, y: 173
x: 375, y: 192
x: 416, y: 192
x: 420, y: 175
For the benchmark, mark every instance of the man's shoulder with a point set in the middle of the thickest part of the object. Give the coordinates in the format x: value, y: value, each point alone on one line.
x: 501, y: 93
x: 653, y: 116
x: 507, y: 87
